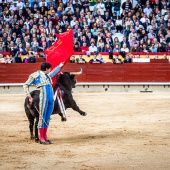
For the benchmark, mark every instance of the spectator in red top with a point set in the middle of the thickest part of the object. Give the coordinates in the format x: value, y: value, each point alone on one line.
x: 84, y: 48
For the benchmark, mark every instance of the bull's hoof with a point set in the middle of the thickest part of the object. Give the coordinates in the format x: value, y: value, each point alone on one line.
x: 37, y: 140
x: 63, y: 119
x: 83, y: 114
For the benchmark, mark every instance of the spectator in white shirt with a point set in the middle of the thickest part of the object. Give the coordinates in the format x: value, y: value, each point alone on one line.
x: 5, y: 59
x: 101, y: 7
x: 119, y: 24
x: 147, y: 10
x: 42, y: 2
x: 92, y: 48
x: 124, y: 48
x: 20, y: 4
x: 73, y: 22
x: 13, y: 7
x: 143, y: 19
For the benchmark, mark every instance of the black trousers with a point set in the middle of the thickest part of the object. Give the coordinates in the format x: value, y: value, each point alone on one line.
x: 119, y: 28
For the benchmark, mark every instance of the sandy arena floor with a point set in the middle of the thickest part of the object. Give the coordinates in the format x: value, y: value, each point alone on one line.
x: 121, y: 131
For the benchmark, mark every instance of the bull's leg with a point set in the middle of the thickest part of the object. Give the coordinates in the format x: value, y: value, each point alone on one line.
x: 36, y: 129
x: 31, y: 125
x: 62, y: 117
x: 31, y: 121
x: 76, y: 108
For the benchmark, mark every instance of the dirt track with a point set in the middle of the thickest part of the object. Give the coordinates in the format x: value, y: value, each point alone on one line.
x: 121, y: 131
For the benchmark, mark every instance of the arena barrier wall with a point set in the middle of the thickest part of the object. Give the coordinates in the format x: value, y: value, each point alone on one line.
x: 142, y: 77
x: 132, y: 72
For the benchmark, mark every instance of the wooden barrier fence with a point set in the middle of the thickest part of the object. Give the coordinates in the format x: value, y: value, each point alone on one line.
x: 132, y: 72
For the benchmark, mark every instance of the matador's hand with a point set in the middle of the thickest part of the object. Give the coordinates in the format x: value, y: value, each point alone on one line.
x: 61, y: 64
x: 30, y: 100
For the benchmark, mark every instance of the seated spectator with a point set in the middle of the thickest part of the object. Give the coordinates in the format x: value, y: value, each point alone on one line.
x: 145, y: 48
x: 124, y: 48
x: 1, y: 58
x: 132, y: 34
x: 73, y: 60
x: 33, y: 3
x: 5, y: 59
x: 95, y: 60
x: 43, y: 46
x: 163, y: 43
x: 116, y: 42
x: 168, y: 47
x: 119, y: 24
x: 20, y: 48
x: 153, y: 48
x: 147, y: 10
x: 116, y: 49
x: 12, y: 47
x: 41, y: 54
x: 80, y: 59
x: 108, y: 48
x: 1, y: 47
x: 30, y: 58
x: 28, y: 48
x: 124, y: 41
x: 127, y: 59
x: 135, y: 48
x: 42, y: 3
x: 17, y: 58
x: 85, y: 49
x: 84, y: 40
x: 92, y: 48
x: 35, y: 47
x: 133, y: 41
x: 11, y: 58
x: 100, y: 57
x: 117, y: 60
x: 50, y: 41
x: 77, y: 5
x: 77, y: 47
x: 69, y: 8
x: 101, y: 48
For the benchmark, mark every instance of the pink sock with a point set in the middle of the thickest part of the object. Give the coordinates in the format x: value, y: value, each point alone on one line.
x: 41, y: 134
x: 45, y: 133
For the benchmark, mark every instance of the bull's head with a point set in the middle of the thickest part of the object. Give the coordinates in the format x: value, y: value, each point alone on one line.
x: 67, y: 80
x: 72, y: 75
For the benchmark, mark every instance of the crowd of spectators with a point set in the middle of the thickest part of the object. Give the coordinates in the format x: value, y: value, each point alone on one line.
x: 31, y: 25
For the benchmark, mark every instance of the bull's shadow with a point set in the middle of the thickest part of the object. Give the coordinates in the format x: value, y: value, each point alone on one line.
x: 65, y: 81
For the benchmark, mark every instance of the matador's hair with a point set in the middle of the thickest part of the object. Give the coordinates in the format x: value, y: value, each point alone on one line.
x: 45, y: 66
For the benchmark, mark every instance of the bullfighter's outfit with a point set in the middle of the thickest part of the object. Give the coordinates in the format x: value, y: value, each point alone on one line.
x: 43, y: 82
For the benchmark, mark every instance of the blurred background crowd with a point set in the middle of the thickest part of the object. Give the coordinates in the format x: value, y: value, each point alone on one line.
x: 32, y: 25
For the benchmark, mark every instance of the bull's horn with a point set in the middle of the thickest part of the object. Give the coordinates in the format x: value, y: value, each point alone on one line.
x: 76, y: 73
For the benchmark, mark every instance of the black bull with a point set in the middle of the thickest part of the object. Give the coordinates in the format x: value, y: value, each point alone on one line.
x: 65, y: 82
